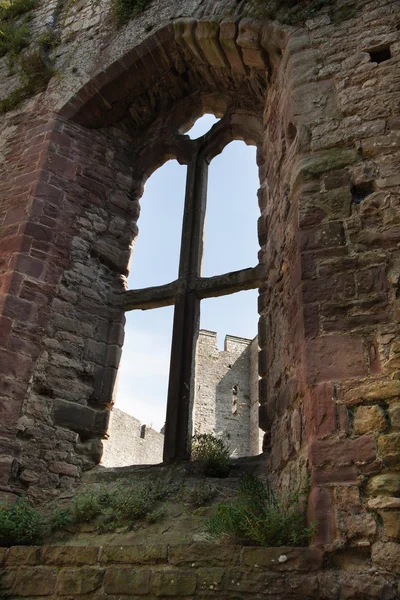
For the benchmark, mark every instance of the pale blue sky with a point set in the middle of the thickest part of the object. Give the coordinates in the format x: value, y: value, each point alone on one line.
x: 230, y: 243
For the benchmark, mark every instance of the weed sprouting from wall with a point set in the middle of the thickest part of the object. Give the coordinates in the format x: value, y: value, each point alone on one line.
x: 35, y: 75
x: 14, y: 28
x: 124, y: 10
x: 257, y: 516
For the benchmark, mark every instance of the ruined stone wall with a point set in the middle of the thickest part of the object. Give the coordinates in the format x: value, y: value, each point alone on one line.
x: 131, y: 443
x: 223, y: 400
x: 256, y: 434
x: 73, y: 166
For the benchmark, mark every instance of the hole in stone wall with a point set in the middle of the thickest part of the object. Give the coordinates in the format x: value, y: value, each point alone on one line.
x: 201, y: 126
x: 380, y: 55
x: 230, y: 233
x: 360, y: 191
x: 291, y: 133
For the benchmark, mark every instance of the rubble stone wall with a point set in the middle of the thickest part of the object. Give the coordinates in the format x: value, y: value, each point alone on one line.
x: 320, y: 101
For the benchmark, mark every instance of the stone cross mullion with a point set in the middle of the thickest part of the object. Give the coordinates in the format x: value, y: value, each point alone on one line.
x: 186, y: 315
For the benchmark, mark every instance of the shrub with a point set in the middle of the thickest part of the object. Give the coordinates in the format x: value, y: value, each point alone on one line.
x: 211, y: 455
x: 21, y: 524
x: 124, y: 10
x: 259, y: 517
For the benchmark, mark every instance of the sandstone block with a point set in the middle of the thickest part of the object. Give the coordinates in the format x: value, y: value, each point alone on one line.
x: 211, y: 580
x: 387, y: 556
x: 173, y: 583
x: 360, y: 527
x: 335, y: 357
x: 384, y: 502
x: 376, y: 389
x: 368, y: 419
x: 35, y: 581
x: 79, y: 581
x: 126, y: 580
x: 7, y: 580
x: 387, y: 484
x: 342, y: 452
x: 134, y: 555
x: 394, y: 415
x: 348, y: 497
x: 63, y: 468
x: 283, y: 559
x: 73, y: 556
x: 389, y: 447
x: 250, y: 582
x: 391, y: 523
x: 21, y: 555
x: 203, y: 555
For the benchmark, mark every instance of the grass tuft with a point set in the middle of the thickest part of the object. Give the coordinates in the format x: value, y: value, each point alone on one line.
x: 257, y: 516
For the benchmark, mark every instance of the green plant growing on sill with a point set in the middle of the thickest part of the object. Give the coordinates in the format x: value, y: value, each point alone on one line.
x: 124, y: 10
x: 210, y: 455
x: 258, y: 516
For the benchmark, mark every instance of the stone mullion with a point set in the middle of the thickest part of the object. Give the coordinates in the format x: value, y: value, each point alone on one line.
x: 186, y: 316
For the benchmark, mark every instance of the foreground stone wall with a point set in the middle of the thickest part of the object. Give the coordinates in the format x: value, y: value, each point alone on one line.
x: 320, y: 101
x: 185, y: 571
x: 131, y: 443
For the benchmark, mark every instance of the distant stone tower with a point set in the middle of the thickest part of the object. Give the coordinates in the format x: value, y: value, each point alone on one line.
x: 226, y: 392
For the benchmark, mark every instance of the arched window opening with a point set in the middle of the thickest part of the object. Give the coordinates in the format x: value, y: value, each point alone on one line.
x: 202, y: 126
x: 155, y: 252
x: 190, y: 287
x: 235, y: 399
x: 230, y: 236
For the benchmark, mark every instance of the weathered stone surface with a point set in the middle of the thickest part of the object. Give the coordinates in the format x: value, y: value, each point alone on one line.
x: 368, y: 419
x: 203, y: 555
x: 134, y: 555
x: 283, y: 559
x: 387, y: 484
x: 391, y: 523
x: 394, y: 415
x: 79, y: 581
x: 35, y: 581
x: 68, y: 555
x: 387, y: 556
x: 373, y: 390
x: 173, y: 583
x: 126, y: 580
x: 389, y: 447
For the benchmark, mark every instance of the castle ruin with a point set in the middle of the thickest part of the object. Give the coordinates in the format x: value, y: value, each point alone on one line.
x: 315, y: 87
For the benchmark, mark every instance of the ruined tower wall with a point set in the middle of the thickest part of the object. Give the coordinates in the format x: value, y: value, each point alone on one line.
x: 73, y: 169
x: 222, y: 402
